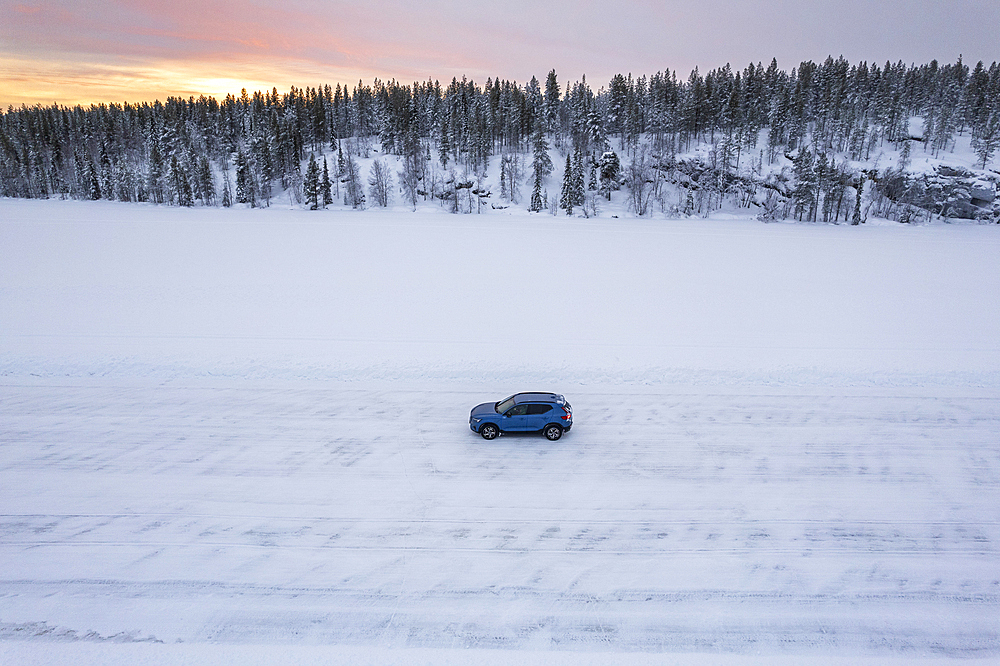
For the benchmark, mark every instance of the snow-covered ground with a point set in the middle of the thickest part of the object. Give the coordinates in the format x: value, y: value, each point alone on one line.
x: 244, y: 434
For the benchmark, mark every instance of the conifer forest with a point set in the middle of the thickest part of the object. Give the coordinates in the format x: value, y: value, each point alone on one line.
x: 798, y: 144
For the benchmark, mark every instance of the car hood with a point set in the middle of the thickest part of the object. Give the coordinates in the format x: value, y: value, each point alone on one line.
x: 487, y: 408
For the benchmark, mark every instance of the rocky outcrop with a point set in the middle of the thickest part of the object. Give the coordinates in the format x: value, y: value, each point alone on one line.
x: 948, y: 191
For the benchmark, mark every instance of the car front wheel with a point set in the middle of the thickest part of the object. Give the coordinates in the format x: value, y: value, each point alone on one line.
x: 489, y: 431
x: 552, y: 432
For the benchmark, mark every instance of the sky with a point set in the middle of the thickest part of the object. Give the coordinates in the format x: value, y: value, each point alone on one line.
x: 89, y: 51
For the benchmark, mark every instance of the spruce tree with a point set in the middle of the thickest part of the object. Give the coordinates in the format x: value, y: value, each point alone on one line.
x: 567, y: 197
x: 536, y: 195
x: 444, y: 145
x: 551, y: 102
x: 987, y: 139
x: 185, y: 197
x: 244, y: 184
x: 541, y: 163
x: 311, y: 186
x: 206, y: 183
x: 856, y: 219
x: 325, y: 185
x: 804, y: 194
x: 578, y: 185
x: 822, y: 177
x: 106, y: 175
x: 610, y: 173
x: 265, y: 162
x: 154, y: 180
x: 92, y: 181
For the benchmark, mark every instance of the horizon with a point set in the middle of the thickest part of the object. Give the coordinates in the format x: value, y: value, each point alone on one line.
x: 347, y: 86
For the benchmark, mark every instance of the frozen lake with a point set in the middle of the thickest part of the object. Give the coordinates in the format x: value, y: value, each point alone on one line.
x: 231, y: 428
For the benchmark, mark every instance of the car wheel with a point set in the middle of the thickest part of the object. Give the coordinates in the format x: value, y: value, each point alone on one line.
x: 552, y: 432
x: 489, y: 431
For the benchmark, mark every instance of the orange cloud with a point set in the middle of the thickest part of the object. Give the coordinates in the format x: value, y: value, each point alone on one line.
x: 111, y: 50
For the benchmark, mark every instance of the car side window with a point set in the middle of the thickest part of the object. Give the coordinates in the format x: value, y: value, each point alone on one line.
x: 539, y: 409
x: 518, y: 410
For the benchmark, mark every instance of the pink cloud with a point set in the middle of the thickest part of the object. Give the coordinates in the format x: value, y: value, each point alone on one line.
x: 346, y: 40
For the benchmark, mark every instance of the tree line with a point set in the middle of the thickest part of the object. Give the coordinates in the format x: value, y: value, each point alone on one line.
x: 304, y: 143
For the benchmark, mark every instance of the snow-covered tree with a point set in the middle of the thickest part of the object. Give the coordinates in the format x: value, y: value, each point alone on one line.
x: 987, y: 139
x: 311, y: 185
x: 380, y: 183
x: 354, y: 195
x: 610, y: 173
x: 567, y: 197
x: 537, y: 201
x: 325, y: 185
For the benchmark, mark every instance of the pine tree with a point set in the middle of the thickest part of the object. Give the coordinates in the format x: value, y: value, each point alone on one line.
x: 154, y: 180
x: 541, y: 163
x: 91, y: 180
x: 537, y: 203
x: 206, y: 183
x: 822, y: 176
x: 551, y: 102
x: 987, y: 139
x: 503, y: 179
x: 265, y: 163
x: 567, y: 197
x: 904, y: 155
x: 804, y: 194
x: 55, y: 177
x: 311, y: 187
x: 185, y: 197
x: 610, y: 173
x: 325, y: 185
x: 578, y: 185
x: 856, y: 218
x: 444, y: 145
x: 105, y: 174
x: 244, y: 182
x: 179, y: 183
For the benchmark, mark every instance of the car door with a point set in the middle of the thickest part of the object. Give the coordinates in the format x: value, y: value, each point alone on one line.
x: 515, y: 419
x: 537, y: 416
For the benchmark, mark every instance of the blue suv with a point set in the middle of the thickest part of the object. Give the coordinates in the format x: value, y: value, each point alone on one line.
x: 547, y: 413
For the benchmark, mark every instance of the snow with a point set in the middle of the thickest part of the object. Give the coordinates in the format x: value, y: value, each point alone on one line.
x: 241, y: 435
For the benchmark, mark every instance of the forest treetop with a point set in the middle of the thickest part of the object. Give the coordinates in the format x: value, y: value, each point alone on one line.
x: 834, y: 107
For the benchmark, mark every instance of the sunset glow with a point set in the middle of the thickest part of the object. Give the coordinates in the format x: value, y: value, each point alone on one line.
x: 83, y: 52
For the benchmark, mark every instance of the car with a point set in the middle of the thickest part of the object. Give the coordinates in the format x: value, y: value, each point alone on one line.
x: 547, y: 413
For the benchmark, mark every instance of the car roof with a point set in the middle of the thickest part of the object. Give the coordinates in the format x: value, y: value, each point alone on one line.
x: 537, y: 396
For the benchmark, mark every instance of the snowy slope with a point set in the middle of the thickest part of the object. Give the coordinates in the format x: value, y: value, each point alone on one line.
x: 239, y: 430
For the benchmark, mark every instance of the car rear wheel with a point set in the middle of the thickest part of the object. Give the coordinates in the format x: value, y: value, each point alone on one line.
x: 552, y: 432
x: 489, y: 431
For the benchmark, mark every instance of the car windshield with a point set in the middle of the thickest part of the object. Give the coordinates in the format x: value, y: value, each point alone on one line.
x: 504, y: 405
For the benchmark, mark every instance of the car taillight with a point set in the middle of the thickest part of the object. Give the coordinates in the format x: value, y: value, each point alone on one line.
x: 567, y: 416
